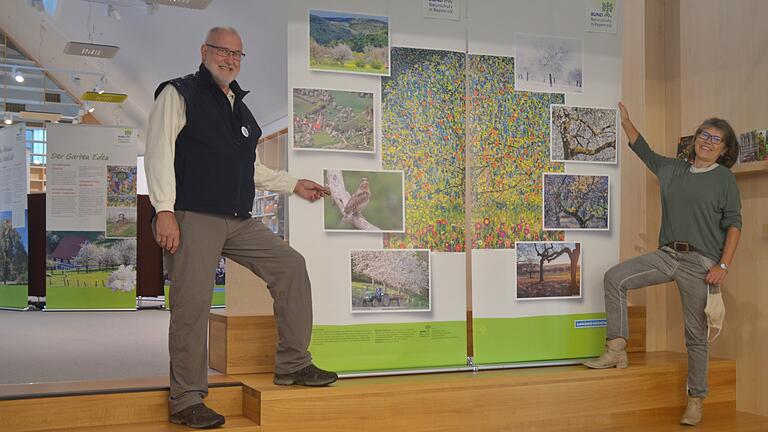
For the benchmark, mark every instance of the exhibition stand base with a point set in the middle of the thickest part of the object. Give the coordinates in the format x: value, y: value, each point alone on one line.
x: 647, y: 396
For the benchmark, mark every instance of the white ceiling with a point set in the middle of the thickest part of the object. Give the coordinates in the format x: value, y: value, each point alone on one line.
x: 156, y: 47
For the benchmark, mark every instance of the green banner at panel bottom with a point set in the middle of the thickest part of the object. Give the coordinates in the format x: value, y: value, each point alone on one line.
x: 509, y: 340
x: 369, y: 347
x: 13, y: 296
x: 76, y: 298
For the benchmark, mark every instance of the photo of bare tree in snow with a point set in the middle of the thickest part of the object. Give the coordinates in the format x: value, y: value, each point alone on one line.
x: 583, y: 134
x: 548, y: 63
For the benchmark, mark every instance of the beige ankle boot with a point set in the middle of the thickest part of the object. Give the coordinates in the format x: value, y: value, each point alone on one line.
x: 692, y: 415
x: 615, y: 355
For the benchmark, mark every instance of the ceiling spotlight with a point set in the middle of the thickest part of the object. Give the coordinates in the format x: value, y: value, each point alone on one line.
x: 8, y: 118
x: 112, y: 12
x: 17, y: 75
x: 89, y: 108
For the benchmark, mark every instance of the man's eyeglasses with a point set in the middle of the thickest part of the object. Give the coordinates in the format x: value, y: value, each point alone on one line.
x: 226, y: 52
x: 714, y: 139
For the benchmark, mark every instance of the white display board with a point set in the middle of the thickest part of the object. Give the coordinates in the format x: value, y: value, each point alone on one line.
x: 79, y: 159
x: 14, y: 174
x: 486, y: 28
x: 525, y: 326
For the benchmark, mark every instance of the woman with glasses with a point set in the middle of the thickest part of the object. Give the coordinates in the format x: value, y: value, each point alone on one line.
x: 700, y: 229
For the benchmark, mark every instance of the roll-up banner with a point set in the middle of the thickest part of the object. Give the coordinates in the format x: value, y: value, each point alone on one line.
x: 91, y: 218
x: 14, y: 238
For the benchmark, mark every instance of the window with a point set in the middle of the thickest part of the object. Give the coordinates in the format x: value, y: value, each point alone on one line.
x: 36, y: 143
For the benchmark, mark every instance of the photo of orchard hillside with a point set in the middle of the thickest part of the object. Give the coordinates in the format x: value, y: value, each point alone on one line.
x: 333, y: 120
x: 86, y: 260
x: 548, y: 270
x: 390, y: 280
x: 576, y: 202
x: 348, y: 42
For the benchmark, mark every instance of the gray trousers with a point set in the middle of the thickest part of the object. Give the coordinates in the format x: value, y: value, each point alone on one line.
x: 688, y: 270
x: 205, y: 237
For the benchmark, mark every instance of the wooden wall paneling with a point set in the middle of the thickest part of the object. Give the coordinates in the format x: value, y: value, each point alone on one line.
x: 724, y: 72
x: 653, y: 131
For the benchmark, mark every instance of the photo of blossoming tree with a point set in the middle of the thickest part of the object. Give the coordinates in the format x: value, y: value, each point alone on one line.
x: 86, y: 270
x: 584, y: 134
x: 390, y: 280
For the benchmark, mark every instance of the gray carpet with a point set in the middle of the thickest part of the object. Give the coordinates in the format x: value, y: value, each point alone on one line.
x: 75, y: 346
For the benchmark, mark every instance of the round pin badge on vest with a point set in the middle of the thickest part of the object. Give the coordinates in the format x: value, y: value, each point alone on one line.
x: 244, y: 130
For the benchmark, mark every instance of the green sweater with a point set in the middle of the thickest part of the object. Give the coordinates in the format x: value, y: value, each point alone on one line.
x: 697, y: 208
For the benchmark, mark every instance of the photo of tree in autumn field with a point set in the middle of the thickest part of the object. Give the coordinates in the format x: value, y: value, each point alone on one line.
x: 550, y: 270
x: 576, y: 202
x: 583, y: 134
x: 390, y: 280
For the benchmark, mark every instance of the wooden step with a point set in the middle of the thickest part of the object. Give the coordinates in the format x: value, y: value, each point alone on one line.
x: 718, y: 417
x: 81, y: 388
x: 234, y: 423
x: 487, y: 400
x: 100, y: 409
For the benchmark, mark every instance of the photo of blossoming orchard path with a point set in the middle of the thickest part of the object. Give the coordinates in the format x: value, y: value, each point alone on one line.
x: 348, y: 42
x: 384, y: 280
x: 509, y: 147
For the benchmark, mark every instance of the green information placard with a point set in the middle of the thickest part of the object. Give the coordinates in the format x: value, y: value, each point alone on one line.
x: 510, y: 340
x: 351, y: 348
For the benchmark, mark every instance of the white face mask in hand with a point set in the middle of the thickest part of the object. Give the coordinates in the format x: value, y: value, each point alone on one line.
x: 715, y: 310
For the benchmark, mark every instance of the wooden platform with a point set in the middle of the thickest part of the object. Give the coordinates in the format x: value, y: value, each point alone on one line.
x: 240, y: 344
x: 648, y: 396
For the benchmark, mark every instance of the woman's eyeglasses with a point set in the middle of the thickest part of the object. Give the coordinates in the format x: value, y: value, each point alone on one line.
x: 714, y: 139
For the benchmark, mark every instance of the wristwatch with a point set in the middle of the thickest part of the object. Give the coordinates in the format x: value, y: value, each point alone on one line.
x: 723, y: 266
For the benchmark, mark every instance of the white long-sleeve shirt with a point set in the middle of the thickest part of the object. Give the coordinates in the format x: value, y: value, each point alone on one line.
x: 167, y: 118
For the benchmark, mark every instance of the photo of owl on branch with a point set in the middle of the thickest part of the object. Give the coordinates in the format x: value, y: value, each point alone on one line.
x: 364, y: 201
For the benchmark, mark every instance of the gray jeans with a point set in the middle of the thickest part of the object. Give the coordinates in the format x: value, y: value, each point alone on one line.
x: 688, y: 270
x: 205, y: 237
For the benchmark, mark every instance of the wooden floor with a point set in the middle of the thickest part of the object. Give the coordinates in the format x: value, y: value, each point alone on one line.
x: 648, y: 396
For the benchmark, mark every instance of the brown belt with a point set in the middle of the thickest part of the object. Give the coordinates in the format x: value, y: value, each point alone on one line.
x: 682, y: 247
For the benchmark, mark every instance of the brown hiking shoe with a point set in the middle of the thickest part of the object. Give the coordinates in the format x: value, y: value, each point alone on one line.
x: 198, y: 416
x: 311, y: 376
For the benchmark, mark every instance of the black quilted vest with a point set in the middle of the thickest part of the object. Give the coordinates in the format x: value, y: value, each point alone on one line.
x: 216, y: 149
